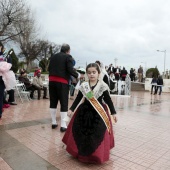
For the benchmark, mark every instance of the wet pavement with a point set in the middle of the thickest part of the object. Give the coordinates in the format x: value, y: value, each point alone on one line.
x: 142, y: 136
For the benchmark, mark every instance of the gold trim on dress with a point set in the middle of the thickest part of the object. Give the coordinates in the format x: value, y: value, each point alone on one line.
x: 97, y: 106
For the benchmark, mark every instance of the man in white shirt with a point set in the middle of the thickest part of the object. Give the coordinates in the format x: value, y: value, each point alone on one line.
x: 37, y: 81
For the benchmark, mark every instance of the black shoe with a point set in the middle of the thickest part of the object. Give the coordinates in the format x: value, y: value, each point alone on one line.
x: 54, y: 126
x: 12, y: 103
x: 62, y: 129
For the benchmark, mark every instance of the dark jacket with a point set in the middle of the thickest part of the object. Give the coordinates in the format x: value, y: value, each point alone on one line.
x: 154, y: 80
x: 132, y: 72
x: 25, y: 80
x: 106, y: 80
x: 123, y: 73
x: 61, y: 65
x: 115, y: 71
x: 111, y: 69
x: 160, y: 81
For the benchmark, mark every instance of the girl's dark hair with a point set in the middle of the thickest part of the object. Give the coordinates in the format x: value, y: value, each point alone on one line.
x: 93, y: 65
x: 98, y: 62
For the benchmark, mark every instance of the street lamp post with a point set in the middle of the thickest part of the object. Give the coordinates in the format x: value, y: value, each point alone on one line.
x: 115, y: 59
x: 145, y: 67
x: 164, y: 51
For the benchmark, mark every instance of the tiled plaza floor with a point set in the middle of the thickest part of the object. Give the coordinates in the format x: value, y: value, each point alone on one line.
x: 4, y: 165
x: 142, y: 136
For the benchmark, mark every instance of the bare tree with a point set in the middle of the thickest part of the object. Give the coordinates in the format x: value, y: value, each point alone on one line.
x: 11, y: 13
x: 54, y: 48
x: 48, y: 50
x: 29, y: 44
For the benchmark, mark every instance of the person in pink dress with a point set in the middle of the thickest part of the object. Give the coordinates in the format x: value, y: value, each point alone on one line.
x: 7, y: 77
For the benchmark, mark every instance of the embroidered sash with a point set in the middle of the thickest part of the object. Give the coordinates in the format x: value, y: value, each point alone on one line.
x: 96, y: 105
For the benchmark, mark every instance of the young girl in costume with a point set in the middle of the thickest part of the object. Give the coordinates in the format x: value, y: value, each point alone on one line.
x: 89, y: 136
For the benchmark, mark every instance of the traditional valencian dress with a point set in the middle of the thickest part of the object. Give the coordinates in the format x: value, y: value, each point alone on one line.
x: 89, y: 136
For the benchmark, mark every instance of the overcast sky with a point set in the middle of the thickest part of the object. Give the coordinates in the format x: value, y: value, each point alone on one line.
x: 130, y: 30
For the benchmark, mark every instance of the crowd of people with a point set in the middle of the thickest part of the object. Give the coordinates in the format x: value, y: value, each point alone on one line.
x: 8, y: 81
x: 89, y: 134
x: 119, y: 73
x: 91, y: 124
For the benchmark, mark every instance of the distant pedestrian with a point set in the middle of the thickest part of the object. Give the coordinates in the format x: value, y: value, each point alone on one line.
x: 140, y: 73
x: 160, y: 84
x: 117, y: 71
x: 132, y: 74
x: 110, y: 69
x: 154, y: 85
x: 104, y: 73
x: 123, y: 74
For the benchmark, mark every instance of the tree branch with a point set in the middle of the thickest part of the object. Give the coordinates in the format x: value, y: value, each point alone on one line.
x: 11, y: 36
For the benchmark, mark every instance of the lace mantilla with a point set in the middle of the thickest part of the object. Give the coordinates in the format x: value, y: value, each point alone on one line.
x: 98, y: 90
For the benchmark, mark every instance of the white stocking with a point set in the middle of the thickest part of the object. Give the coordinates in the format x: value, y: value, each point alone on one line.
x: 63, y: 116
x: 53, y: 116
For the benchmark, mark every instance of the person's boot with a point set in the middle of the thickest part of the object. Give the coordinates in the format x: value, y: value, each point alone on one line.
x: 53, y: 117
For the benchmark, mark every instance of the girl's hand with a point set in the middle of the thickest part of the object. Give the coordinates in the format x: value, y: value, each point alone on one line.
x: 69, y: 113
x: 113, y: 119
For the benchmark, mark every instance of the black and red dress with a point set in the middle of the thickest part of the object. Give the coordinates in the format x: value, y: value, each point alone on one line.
x: 87, y: 137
